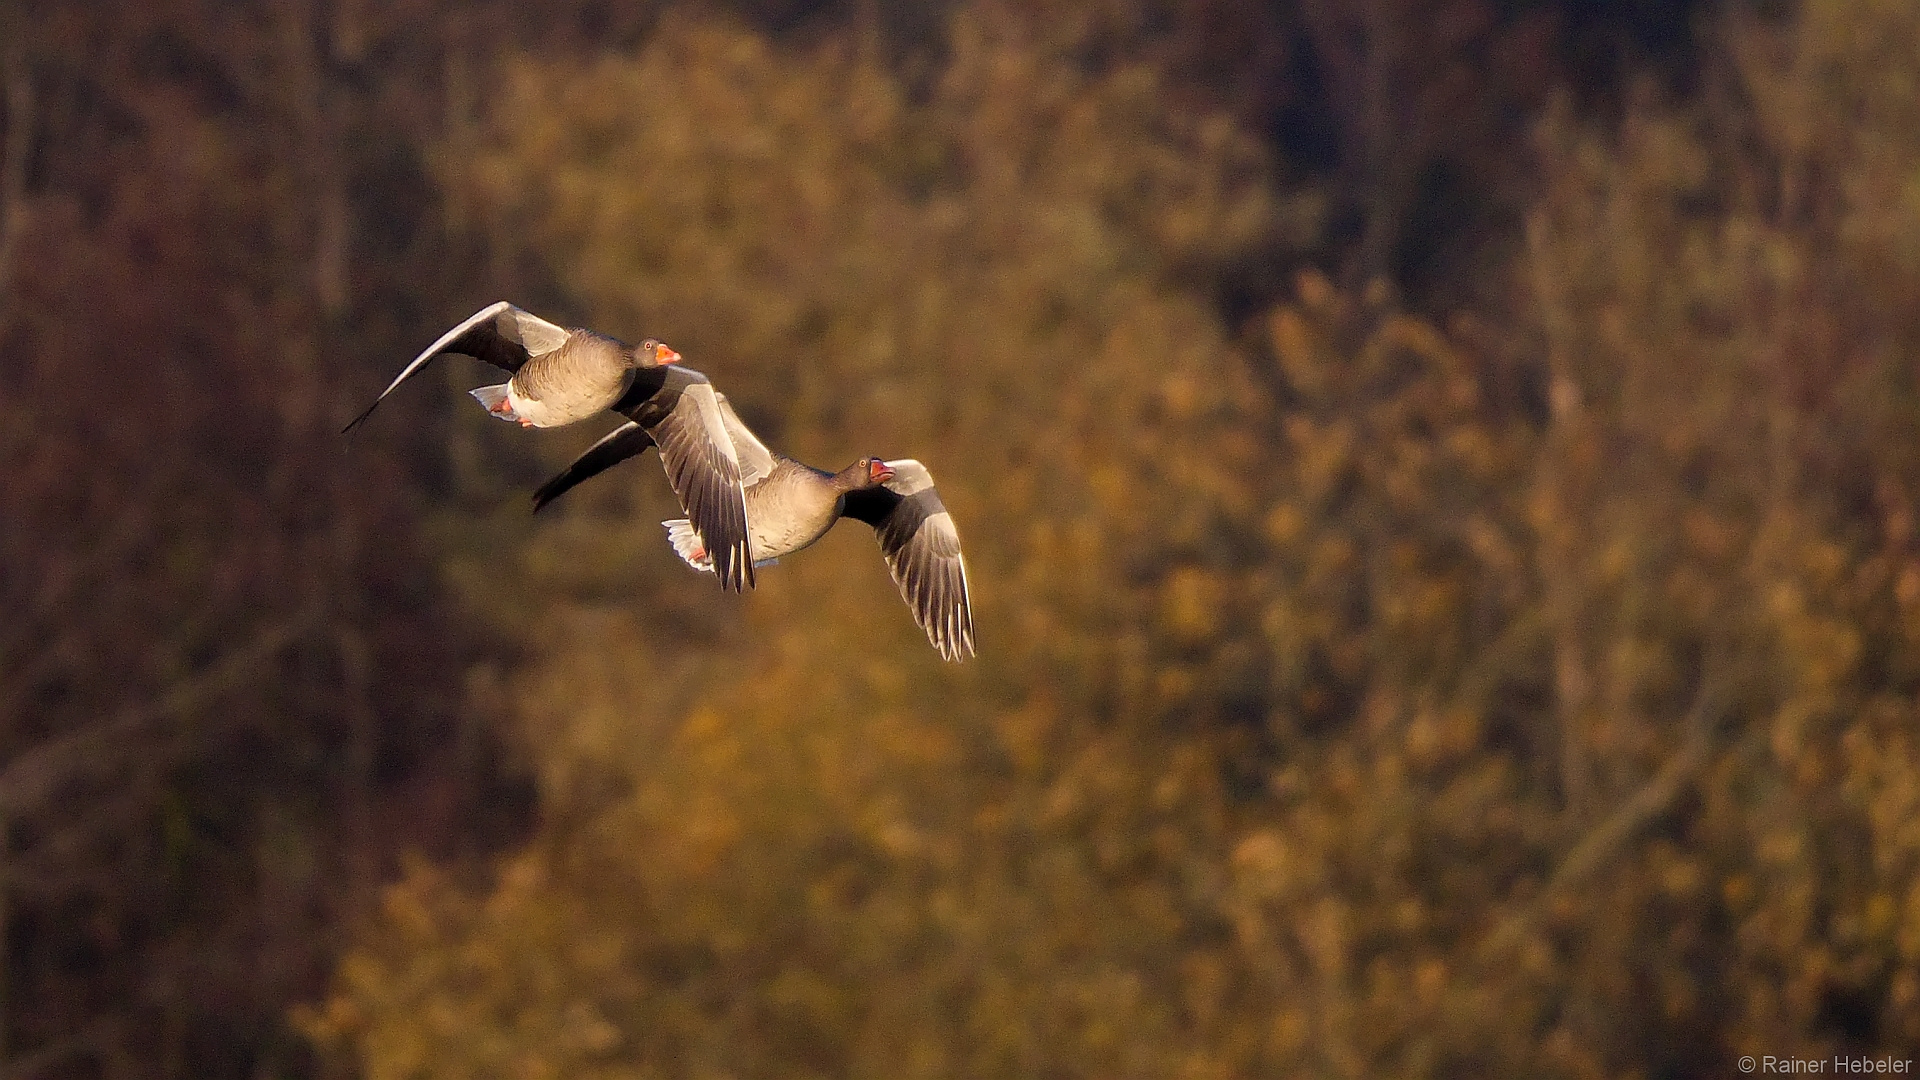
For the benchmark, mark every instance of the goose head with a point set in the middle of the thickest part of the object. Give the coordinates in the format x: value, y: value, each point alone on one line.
x: 868, y: 472
x: 653, y: 353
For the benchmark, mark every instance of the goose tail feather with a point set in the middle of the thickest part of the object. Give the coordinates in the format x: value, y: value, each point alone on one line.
x: 494, y: 398
x: 686, y: 544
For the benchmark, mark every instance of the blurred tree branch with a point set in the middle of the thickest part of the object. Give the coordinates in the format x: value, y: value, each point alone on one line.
x: 33, y: 777
x: 97, y: 1038
x: 14, y: 154
x: 1608, y: 838
x: 1363, y: 51
x: 58, y: 585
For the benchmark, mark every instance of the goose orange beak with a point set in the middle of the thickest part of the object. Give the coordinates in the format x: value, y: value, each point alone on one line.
x: 666, y: 356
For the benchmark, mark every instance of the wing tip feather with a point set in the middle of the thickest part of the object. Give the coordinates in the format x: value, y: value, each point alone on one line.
x: 358, y: 420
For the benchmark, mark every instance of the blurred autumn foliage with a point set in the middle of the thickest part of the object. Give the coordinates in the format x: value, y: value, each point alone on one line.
x: 1439, y: 478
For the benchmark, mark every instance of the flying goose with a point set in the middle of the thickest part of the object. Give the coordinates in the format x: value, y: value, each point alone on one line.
x: 790, y: 505
x: 561, y: 376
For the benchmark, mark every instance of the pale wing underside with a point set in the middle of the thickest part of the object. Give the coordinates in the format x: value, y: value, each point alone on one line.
x: 756, y: 461
x: 530, y: 331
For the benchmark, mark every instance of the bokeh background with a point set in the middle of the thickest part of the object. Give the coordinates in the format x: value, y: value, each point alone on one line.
x: 1439, y: 477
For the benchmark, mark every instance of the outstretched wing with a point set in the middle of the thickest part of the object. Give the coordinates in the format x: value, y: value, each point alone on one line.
x: 922, y: 547
x: 499, y: 334
x: 623, y: 442
x: 756, y: 461
x: 683, y: 418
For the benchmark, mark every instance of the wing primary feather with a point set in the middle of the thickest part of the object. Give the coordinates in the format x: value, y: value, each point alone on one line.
x: 627, y: 440
x: 922, y: 549
x: 441, y: 345
x: 706, y: 476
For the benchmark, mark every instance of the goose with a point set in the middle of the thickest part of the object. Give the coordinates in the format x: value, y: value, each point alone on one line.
x: 561, y: 376
x: 791, y: 504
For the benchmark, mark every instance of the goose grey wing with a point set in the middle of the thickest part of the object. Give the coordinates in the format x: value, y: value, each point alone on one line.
x: 683, y: 416
x: 499, y: 334
x: 756, y: 461
x: 922, y: 548
x: 627, y: 440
